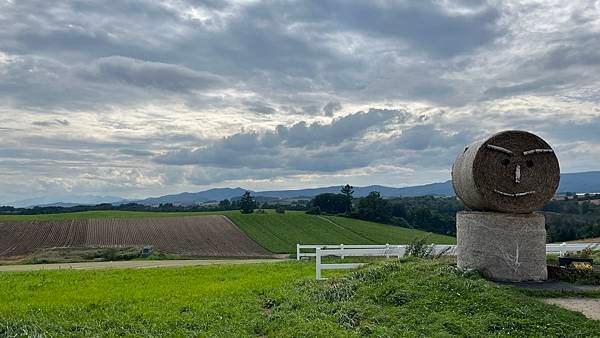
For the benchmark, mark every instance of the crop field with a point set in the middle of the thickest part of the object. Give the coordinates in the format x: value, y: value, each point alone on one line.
x: 194, y: 234
x: 210, y: 235
x: 281, y: 232
x: 394, y: 298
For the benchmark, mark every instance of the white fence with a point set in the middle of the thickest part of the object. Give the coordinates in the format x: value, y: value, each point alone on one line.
x: 387, y: 250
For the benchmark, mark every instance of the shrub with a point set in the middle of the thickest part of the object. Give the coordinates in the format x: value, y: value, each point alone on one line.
x: 419, y: 248
x: 280, y: 210
x: 314, y: 211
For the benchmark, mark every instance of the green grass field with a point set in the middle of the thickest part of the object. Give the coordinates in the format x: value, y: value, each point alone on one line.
x: 279, y: 233
x: 412, y: 298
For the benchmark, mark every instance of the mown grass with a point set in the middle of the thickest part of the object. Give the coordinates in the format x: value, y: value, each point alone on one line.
x: 429, y: 298
x: 382, y: 233
x: 281, y: 232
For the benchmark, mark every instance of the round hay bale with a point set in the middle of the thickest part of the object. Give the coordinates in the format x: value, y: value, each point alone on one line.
x: 512, y: 171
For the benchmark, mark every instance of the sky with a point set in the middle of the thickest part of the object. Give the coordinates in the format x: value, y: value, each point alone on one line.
x: 146, y: 98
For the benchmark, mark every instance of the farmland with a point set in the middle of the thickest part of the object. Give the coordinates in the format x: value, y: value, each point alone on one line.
x: 210, y: 235
x: 281, y: 232
x: 397, y: 298
x: 196, y: 234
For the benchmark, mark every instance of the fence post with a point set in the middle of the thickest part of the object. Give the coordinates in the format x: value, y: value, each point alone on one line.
x: 563, y: 249
x: 318, y: 263
x: 387, y: 250
x: 398, y: 248
x: 342, y: 249
x: 297, y: 252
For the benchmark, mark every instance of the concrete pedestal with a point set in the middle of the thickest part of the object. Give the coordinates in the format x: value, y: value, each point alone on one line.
x: 507, y: 247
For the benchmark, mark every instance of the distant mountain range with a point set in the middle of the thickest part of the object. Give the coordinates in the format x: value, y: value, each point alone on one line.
x: 582, y: 182
x: 66, y: 201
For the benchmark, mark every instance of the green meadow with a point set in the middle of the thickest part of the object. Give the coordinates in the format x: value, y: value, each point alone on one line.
x: 394, y: 298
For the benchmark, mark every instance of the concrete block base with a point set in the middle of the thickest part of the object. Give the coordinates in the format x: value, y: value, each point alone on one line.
x: 506, y: 247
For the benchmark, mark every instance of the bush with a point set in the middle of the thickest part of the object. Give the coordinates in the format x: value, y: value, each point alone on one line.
x: 261, y: 211
x: 314, y: 211
x: 420, y: 248
x: 280, y: 210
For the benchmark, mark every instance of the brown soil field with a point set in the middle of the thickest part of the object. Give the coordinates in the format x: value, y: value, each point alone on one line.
x: 200, y: 236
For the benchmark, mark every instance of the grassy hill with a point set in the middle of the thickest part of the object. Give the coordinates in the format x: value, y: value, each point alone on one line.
x: 279, y: 233
x: 398, y: 298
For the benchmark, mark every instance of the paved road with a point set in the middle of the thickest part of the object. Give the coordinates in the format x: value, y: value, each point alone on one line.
x: 132, y: 264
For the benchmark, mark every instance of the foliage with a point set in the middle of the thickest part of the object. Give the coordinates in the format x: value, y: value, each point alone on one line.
x: 374, y: 208
x: 348, y: 191
x: 247, y: 203
x: 225, y: 204
x: 422, y: 248
x: 330, y: 203
x: 280, y: 210
x: 314, y: 211
x: 567, y: 227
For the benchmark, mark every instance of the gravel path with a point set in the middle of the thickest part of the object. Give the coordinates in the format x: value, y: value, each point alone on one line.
x: 132, y: 264
x: 588, y: 306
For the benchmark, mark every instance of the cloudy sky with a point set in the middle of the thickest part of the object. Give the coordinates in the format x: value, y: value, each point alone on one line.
x: 140, y: 98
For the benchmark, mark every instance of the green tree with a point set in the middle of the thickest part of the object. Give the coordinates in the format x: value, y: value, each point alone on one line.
x: 347, y: 191
x: 247, y: 203
x: 330, y: 203
x: 374, y: 208
x: 225, y: 204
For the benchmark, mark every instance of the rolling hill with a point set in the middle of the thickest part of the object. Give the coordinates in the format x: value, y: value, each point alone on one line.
x: 194, y: 233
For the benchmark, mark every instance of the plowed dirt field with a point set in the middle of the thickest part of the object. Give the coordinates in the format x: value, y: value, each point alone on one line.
x: 206, y: 236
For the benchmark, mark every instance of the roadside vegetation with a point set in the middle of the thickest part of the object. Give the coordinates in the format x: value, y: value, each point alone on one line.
x: 410, y: 297
x: 75, y: 255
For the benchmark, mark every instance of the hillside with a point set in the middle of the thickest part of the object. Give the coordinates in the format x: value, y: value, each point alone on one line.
x: 278, y: 233
x: 199, y: 236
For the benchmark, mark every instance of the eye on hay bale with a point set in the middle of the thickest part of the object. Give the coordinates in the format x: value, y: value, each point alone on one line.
x: 511, y: 171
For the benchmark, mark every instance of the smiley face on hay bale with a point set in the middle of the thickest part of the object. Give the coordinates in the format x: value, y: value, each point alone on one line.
x: 512, y: 171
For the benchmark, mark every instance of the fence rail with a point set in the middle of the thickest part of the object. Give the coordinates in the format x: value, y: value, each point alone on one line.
x: 388, y: 250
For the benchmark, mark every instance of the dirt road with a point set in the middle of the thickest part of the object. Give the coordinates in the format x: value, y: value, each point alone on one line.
x: 131, y: 264
x: 589, y: 307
